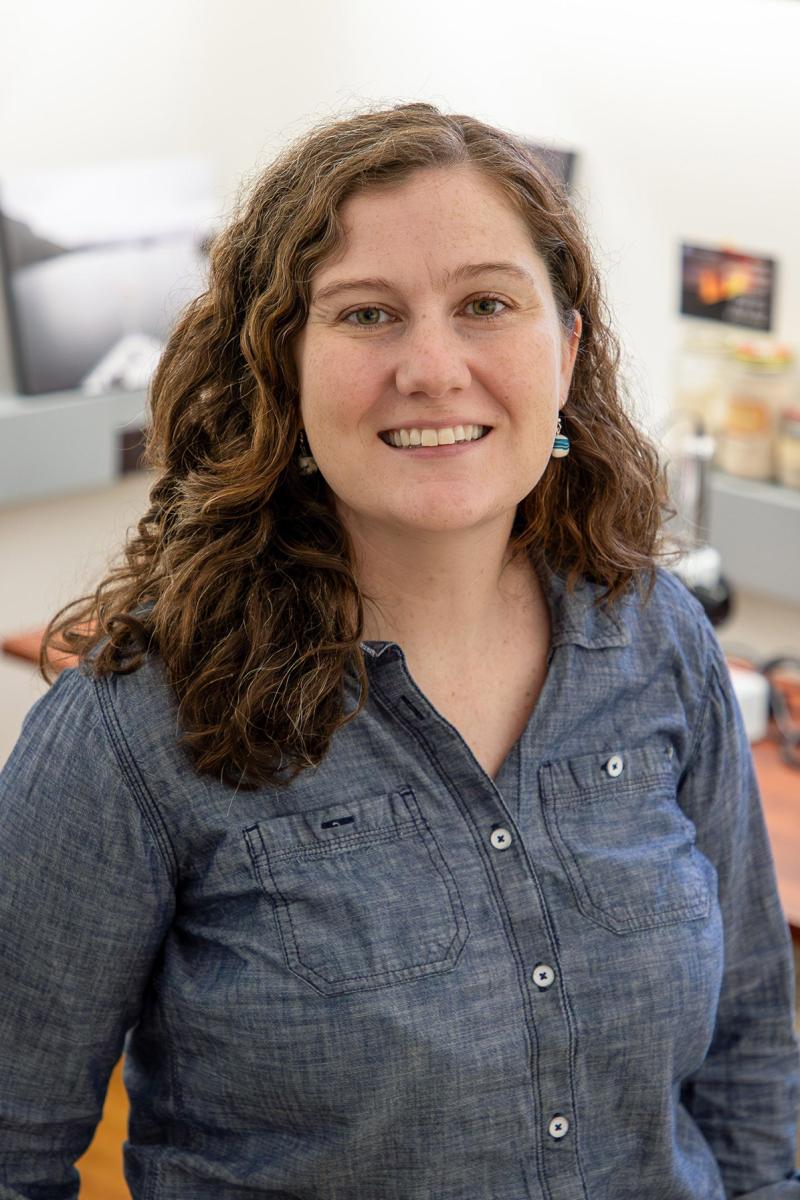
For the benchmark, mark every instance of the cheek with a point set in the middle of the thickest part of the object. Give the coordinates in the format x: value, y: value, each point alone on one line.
x: 529, y: 367
x: 337, y: 388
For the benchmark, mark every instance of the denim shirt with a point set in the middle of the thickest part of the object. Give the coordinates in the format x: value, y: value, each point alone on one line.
x: 398, y: 978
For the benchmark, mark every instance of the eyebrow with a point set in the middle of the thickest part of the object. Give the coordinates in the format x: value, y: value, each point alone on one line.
x: 465, y: 271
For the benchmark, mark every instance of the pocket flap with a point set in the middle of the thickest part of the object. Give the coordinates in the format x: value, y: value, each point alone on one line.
x: 598, y: 773
x: 336, y: 825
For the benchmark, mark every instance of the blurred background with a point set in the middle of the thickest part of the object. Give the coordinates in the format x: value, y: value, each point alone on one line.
x: 127, y: 132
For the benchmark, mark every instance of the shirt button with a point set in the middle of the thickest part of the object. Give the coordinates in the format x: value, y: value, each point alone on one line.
x: 614, y: 766
x: 543, y: 975
x: 500, y: 839
x: 558, y: 1127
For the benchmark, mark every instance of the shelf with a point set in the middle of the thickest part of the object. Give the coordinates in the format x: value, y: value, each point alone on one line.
x: 62, y: 442
x: 756, y: 528
x: 771, y: 494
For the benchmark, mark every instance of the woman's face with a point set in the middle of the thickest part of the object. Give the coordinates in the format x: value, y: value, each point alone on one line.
x: 436, y: 313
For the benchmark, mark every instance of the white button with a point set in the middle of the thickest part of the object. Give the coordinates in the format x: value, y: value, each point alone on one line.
x: 558, y: 1127
x: 543, y: 975
x: 614, y: 766
x: 500, y: 839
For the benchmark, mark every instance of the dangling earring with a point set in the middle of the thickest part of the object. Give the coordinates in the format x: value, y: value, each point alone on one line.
x: 560, y: 443
x: 305, y: 460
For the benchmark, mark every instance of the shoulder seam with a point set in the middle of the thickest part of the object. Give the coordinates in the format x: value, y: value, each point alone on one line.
x: 710, y: 671
x: 133, y: 778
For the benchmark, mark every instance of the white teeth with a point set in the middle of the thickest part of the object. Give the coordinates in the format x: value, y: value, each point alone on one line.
x: 435, y: 437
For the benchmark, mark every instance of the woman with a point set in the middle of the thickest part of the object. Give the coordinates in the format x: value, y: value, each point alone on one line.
x: 400, y: 811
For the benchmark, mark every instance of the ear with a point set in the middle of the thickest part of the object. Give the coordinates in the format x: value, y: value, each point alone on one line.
x: 569, y: 352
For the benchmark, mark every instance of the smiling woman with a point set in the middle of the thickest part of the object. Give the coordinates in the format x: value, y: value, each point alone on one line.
x: 399, y: 820
x: 444, y: 241
x: 414, y: 217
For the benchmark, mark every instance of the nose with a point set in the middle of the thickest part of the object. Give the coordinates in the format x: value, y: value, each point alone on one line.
x: 432, y: 360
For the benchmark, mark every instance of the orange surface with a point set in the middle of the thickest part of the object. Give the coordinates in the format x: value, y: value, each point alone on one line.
x: 780, y: 797
x: 26, y: 645
x: 100, y: 1168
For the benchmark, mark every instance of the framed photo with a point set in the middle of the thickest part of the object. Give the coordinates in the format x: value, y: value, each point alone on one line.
x: 97, y: 264
x: 721, y: 284
x: 561, y: 163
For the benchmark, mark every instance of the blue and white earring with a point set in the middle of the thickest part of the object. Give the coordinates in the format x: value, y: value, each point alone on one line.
x: 560, y: 443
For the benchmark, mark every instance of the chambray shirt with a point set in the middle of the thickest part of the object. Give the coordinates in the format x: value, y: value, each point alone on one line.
x: 399, y: 978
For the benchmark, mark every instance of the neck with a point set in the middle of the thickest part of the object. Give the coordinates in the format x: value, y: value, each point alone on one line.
x: 443, y: 595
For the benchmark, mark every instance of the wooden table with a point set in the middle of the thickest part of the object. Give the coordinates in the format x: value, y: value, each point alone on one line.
x: 779, y: 785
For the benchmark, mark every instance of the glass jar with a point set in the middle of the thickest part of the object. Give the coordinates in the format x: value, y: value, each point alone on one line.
x: 760, y: 384
x: 787, y: 448
x: 700, y: 376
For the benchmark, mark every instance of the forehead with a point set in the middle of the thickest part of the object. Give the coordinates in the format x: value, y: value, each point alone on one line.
x: 434, y: 214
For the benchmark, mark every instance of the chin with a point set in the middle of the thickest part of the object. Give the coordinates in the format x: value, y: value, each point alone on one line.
x: 444, y: 520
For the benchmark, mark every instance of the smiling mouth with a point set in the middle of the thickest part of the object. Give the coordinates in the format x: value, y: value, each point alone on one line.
x: 421, y: 438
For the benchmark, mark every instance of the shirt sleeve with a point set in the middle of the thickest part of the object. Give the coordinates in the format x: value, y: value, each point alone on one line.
x: 86, y: 897
x: 744, y: 1097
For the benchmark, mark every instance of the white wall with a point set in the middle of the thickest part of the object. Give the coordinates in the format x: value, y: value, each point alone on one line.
x: 685, y: 115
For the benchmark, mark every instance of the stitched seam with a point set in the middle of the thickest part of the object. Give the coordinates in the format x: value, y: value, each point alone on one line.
x: 604, y: 790
x: 391, y: 972
x: 134, y: 780
x: 697, y: 732
x: 441, y: 869
x: 383, y: 978
x: 351, y: 841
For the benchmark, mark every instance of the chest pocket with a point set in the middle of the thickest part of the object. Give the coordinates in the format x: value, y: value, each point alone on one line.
x: 627, y: 848
x: 362, y: 895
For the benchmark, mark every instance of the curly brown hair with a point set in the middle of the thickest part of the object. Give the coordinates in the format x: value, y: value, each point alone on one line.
x: 241, y: 575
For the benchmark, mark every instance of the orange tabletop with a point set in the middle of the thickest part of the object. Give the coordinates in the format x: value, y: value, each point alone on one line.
x: 779, y: 785
x: 26, y: 645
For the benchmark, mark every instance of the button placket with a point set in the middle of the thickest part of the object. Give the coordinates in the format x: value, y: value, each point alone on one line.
x: 529, y: 924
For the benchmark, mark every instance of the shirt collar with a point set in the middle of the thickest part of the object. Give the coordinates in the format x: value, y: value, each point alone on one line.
x: 577, y: 617
x: 580, y: 617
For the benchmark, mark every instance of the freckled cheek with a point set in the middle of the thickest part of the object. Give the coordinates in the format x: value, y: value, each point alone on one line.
x: 526, y: 370
x: 528, y: 390
x: 337, y: 396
